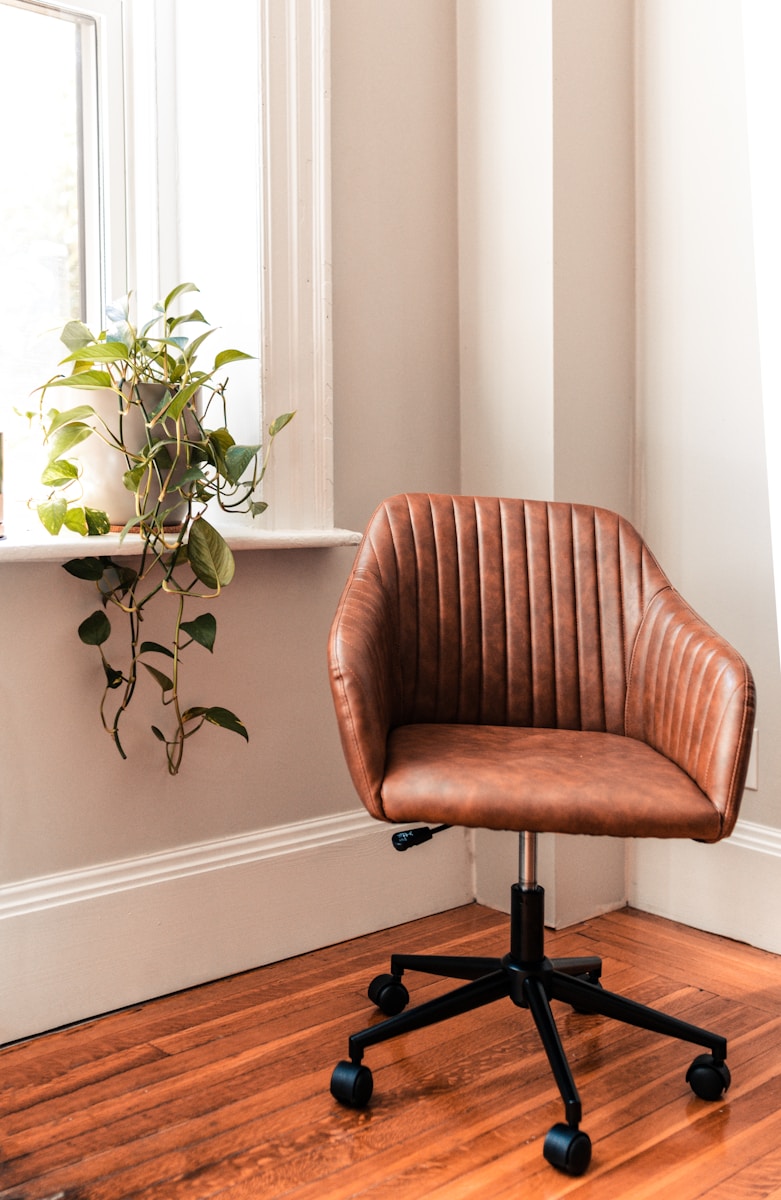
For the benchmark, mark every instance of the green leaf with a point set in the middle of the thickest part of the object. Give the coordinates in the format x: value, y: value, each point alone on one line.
x: 227, y: 720
x: 107, y: 352
x: 117, y: 310
x: 85, y: 568
x: 96, y: 629
x: 219, y: 442
x: 179, y: 290
x: 83, y: 379
x: 191, y: 475
x: 114, y: 678
x: 210, y: 555
x: 51, y: 514
x: 76, y: 334
x: 97, y: 522
x: 131, y: 479
x: 119, y: 578
x: 279, y: 423
x: 166, y: 684
x: 59, y: 473
x: 228, y: 356
x: 155, y: 648
x: 237, y: 459
x: 257, y: 507
x: 158, y: 733
x: 76, y: 521
x: 195, y: 315
x: 65, y: 439
x: 57, y: 419
x: 181, y: 399
x: 193, y: 346
x: 202, y: 630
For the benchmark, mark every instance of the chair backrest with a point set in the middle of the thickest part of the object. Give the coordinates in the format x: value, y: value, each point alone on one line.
x: 511, y: 612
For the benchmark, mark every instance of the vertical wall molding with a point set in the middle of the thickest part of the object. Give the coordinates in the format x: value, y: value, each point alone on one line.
x: 297, y: 361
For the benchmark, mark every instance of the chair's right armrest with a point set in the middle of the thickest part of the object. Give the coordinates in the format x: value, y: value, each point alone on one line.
x: 364, y: 669
x: 691, y: 696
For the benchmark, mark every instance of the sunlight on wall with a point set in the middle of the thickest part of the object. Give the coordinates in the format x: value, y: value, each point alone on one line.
x: 762, y: 37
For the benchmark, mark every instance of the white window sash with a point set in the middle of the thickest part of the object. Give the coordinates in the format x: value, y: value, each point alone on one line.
x: 290, y: 238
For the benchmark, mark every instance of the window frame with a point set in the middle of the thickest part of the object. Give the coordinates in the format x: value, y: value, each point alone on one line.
x: 103, y: 97
x: 293, y: 273
x: 292, y: 221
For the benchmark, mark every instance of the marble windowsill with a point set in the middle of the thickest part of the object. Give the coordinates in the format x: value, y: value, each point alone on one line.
x: 35, y: 545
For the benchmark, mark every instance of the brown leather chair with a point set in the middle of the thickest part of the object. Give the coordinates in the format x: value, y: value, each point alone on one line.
x: 523, y: 665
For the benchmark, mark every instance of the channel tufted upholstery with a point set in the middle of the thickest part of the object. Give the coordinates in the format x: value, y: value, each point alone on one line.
x: 527, y: 665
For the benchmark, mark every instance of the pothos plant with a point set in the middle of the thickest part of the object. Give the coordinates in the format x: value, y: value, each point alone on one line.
x: 169, y: 436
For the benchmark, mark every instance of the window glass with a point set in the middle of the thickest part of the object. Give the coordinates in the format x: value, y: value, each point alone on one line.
x: 48, y: 197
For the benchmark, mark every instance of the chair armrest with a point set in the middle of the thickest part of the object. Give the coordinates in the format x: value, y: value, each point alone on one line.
x: 691, y: 697
x: 364, y: 670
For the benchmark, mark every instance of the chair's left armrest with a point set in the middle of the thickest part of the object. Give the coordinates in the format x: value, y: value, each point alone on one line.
x: 364, y: 670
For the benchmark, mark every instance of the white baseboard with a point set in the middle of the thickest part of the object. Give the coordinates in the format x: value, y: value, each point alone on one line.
x: 78, y: 944
x: 75, y: 945
x: 732, y: 889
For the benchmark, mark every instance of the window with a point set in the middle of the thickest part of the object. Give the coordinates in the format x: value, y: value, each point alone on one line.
x: 195, y: 147
x: 61, y: 203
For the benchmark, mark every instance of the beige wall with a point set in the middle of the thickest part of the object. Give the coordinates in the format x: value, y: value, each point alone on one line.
x: 703, y: 499
x: 701, y: 466
x: 609, y: 354
x: 546, y: 251
x: 395, y: 251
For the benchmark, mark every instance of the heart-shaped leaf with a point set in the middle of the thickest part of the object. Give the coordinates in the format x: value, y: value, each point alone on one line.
x: 210, y: 555
x: 237, y: 459
x: 96, y: 629
x: 97, y: 522
x: 85, y: 568
x: 59, y: 473
x: 68, y: 437
x: 51, y: 514
x: 75, y: 334
x: 76, y: 521
x: 202, y: 630
x: 57, y: 419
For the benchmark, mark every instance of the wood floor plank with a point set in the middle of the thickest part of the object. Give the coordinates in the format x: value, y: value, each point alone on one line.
x: 222, y: 1091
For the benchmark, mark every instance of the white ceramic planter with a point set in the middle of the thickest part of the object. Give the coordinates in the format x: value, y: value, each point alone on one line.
x: 104, y: 467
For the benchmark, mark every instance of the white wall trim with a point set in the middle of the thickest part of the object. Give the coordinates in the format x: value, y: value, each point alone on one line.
x: 295, y: 211
x: 761, y: 838
x: 732, y: 889
x: 81, y: 943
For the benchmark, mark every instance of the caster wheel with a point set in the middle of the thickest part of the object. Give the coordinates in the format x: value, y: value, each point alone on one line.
x: 389, y: 994
x: 567, y: 1149
x: 352, y: 1084
x: 708, y: 1079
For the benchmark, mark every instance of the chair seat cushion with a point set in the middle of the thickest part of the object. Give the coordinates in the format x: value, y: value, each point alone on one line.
x: 541, y: 780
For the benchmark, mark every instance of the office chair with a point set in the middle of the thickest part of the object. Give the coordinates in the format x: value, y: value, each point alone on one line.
x: 527, y: 666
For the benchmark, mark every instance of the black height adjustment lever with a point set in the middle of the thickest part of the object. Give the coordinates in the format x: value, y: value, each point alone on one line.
x: 415, y: 837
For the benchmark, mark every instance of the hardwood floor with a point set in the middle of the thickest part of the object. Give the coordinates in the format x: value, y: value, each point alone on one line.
x: 223, y: 1091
